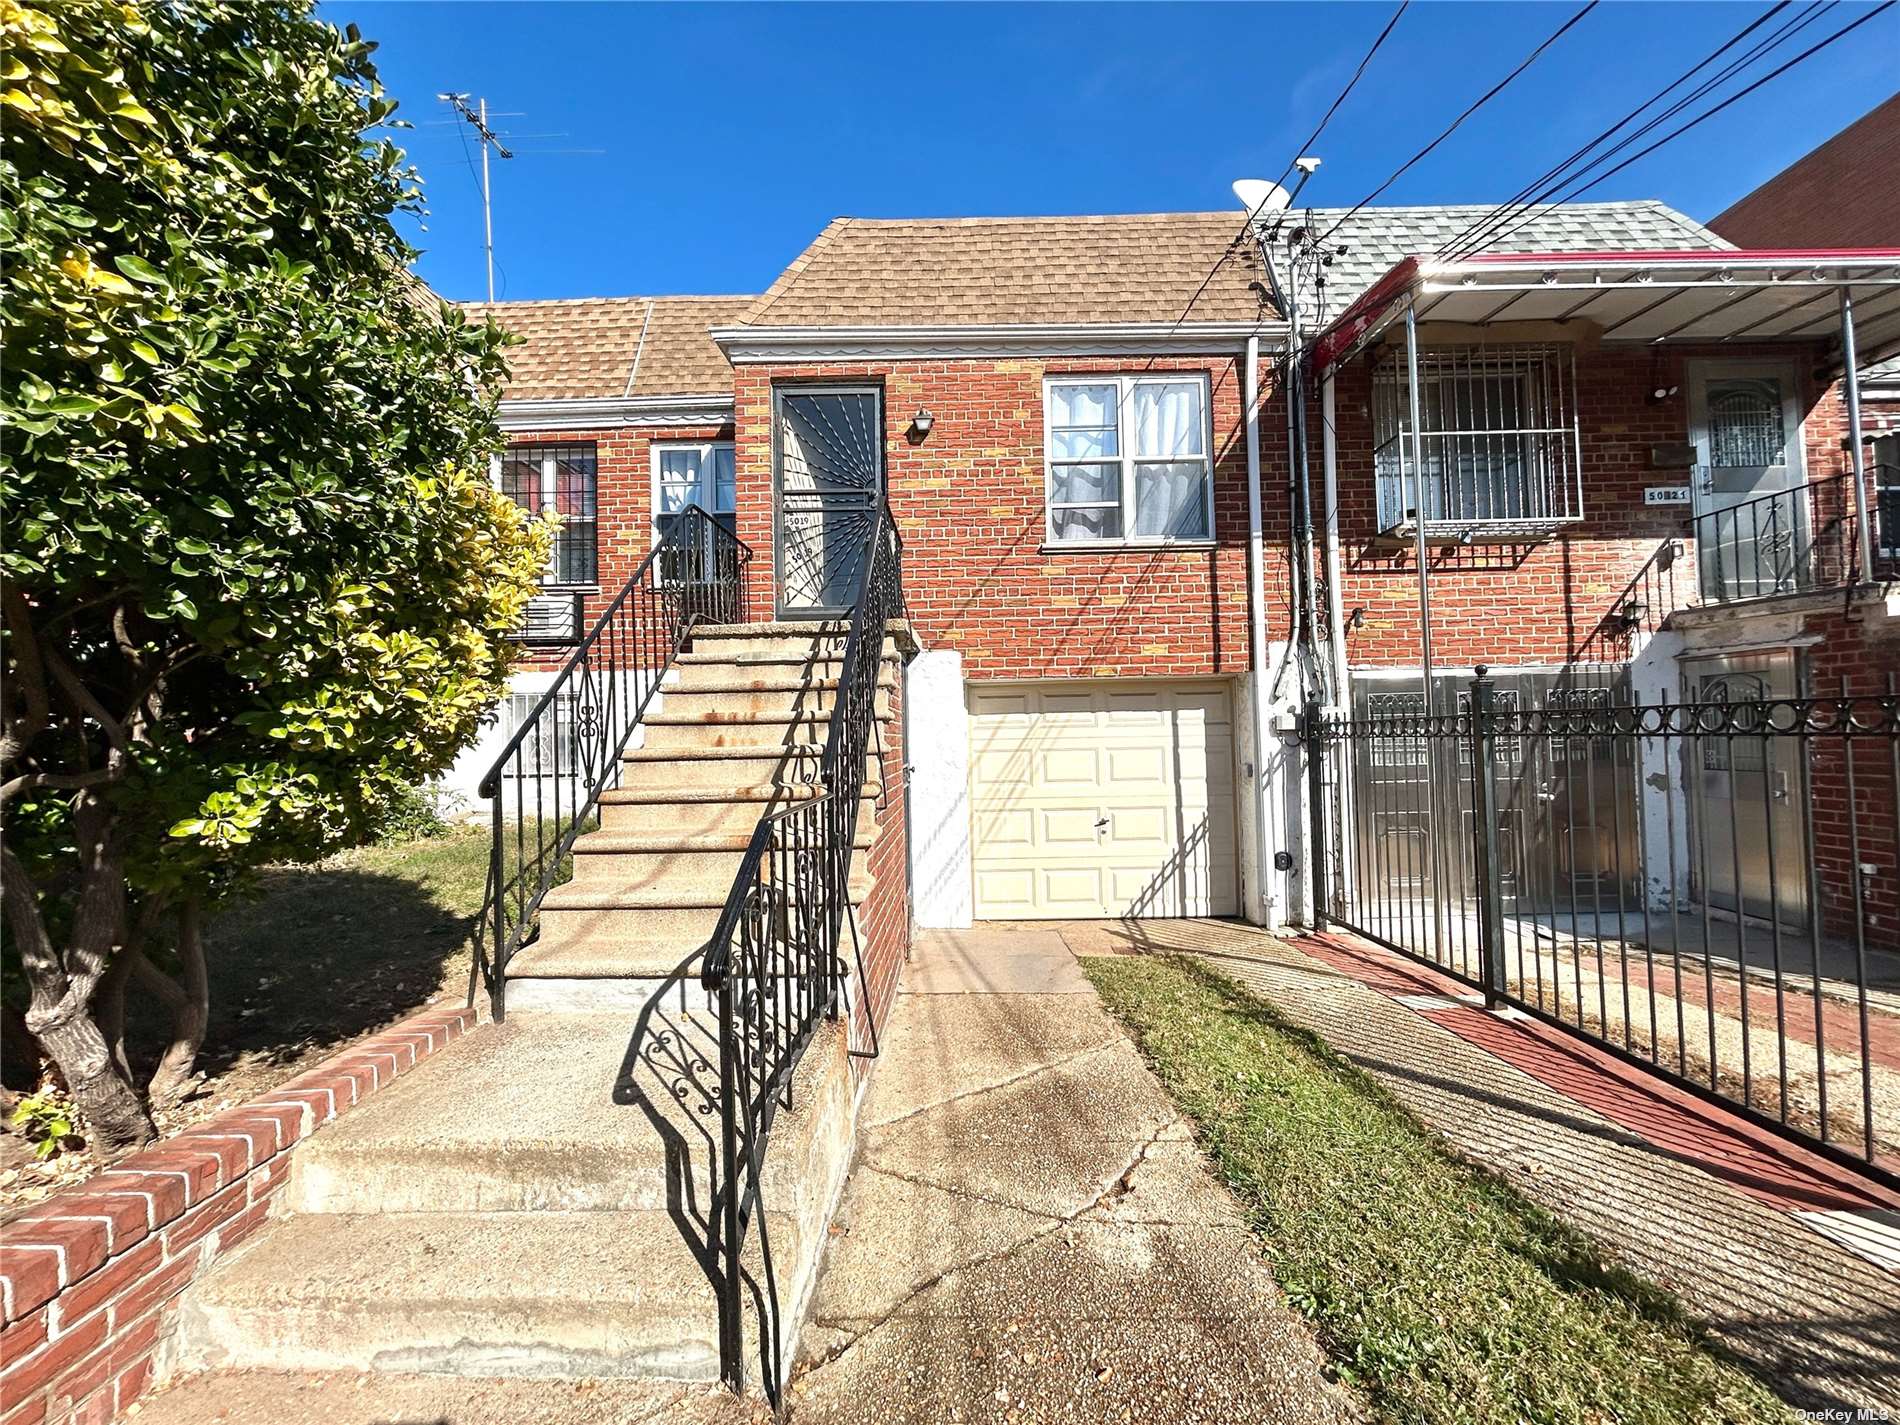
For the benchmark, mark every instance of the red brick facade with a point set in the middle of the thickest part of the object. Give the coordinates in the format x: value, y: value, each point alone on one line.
x: 1842, y: 194
x: 624, y: 506
x: 87, y: 1277
x: 885, y: 918
x: 1546, y: 603
x: 969, y: 499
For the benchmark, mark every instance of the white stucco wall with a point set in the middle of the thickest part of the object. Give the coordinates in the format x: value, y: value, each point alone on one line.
x: 937, y: 732
x: 460, y: 783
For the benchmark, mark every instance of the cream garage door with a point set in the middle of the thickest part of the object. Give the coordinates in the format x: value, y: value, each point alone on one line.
x: 1093, y: 800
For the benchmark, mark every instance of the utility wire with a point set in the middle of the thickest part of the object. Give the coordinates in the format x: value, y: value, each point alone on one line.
x: 1713, y: 110
x: 1313, y: 137
x: 1473, y: 232
x: 1247, y: 226
x: 1477, y: 104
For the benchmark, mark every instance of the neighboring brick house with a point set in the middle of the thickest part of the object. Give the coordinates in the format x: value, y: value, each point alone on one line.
x: 1842, y: 194
x: 615, y: 407
x: 1056, y: 409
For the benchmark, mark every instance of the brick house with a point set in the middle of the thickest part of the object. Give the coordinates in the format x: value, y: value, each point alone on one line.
x: 1097, y: 723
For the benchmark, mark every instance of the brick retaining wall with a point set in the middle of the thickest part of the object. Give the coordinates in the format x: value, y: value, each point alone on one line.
x: 88, y: 1276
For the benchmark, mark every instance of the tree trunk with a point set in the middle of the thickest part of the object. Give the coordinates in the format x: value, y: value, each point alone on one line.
x: 60, y: 1013
x: 108, y: 1008
x: 105, y: 1099
x: 190, y: 1006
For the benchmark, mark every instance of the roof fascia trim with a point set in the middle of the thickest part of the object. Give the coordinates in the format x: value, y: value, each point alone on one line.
x: 598, y: 412
x: 831, y: 343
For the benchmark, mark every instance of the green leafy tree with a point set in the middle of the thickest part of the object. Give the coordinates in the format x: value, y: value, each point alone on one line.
x: 255, y: 584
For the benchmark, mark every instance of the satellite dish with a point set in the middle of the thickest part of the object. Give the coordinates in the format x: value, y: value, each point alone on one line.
x: 1258, y: 196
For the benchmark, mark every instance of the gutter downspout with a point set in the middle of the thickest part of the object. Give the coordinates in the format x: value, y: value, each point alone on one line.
x: 1295, y: 594
x: 1257, y: 626
x: 1335, y: 595
x: 1851, y: 357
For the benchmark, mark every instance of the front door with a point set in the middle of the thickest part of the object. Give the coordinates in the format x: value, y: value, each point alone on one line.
x: 828, y: 459
x: 1750, y: 519
x: 1747, y: 790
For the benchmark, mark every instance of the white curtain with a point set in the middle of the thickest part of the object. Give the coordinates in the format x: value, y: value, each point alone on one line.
x: 1171, y: 500
x: 679, y: 480
x: 1170, y: 492
x: 722, y: 482
x: 1167, y: 419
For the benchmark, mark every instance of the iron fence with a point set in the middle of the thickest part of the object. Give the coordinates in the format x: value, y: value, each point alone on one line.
x: 566, y: 750
x: 775, y: 966
x: 1708, y: 888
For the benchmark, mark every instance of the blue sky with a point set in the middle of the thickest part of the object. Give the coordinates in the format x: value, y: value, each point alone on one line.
x: 698, y: 148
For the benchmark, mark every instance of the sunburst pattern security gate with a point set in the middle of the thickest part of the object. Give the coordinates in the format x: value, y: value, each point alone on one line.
x: 1710, y: 889
x: 828, y: 459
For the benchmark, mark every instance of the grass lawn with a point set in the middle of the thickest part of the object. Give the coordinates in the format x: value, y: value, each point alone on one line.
x: 321, y: 956
x: 339, y: 949
x: 1438, y: 1290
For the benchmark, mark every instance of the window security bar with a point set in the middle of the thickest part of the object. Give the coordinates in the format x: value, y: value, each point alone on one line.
x: 1500, y: 441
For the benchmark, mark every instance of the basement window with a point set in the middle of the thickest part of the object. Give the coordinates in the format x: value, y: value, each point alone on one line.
x: 1128, y: 460
x: 1502, y: 454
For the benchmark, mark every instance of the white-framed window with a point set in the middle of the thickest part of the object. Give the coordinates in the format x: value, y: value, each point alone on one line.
x: 691, y: 473
x: 563, y: 478
x: 1128, y: 459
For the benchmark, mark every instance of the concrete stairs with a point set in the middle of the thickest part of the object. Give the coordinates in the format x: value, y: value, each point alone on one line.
x: 738, y: 734
x: 496, y: 1214
x: 535, y: 1201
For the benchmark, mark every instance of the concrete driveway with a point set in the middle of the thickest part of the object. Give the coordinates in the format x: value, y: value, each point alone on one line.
x: 1031, y: 1233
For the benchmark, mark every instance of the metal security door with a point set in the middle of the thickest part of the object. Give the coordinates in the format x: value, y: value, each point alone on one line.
x: 1751, y: 851
x: 1750, y: 520
x: 828, y: 460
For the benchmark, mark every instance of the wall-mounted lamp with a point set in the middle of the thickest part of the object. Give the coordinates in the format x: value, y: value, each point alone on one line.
x: 1356, y: 619
x: 1662, y: 381
x: 1629, y: 615
x: 921, y: 423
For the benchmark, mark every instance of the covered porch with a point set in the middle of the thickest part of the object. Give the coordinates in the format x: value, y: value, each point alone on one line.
x: 1475, y: 401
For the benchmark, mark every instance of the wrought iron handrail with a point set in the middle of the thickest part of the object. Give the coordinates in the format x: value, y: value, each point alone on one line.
x: 775, y: 966
x: 567, y: 750
x: 1800, y: 540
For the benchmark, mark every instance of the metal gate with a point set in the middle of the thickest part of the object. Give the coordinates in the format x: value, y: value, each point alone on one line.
x: 1553, y: 843
x: 828, y: 461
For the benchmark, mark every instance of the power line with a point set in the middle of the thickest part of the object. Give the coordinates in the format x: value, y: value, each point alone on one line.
x: 1477, y: 104
x: 1247, y: 226
x: 1473, y: 231
x: 1313, y: 137
x: 1713, y: 110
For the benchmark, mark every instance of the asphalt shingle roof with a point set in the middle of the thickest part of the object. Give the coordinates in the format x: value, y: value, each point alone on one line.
x: 616, y: 346
x: 1141, y: 267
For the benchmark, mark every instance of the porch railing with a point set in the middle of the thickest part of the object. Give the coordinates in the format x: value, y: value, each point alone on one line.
x: 776, y: 967
x: 544, y: 786
x: 1707, y: 889
x: 1805, y: 539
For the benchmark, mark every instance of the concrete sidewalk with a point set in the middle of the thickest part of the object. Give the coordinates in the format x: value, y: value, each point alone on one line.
x: 1745, y: 1228
x: 1031, y: 1234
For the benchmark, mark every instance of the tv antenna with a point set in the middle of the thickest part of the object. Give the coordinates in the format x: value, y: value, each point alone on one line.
x: 477, y: 119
